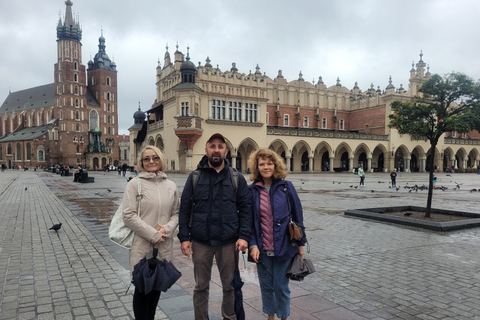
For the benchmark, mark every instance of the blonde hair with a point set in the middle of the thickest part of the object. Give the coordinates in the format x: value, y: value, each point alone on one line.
x: 280, y: 171
x: 163, y: 161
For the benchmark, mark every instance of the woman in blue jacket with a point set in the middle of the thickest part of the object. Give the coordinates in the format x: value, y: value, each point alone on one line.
x: 270, y: 245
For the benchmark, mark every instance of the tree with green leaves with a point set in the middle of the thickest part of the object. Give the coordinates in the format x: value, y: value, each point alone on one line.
x: 445, y: 104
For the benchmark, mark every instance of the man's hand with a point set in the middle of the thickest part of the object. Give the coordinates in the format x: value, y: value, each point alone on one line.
x: 241, y: 245
x: 186, y: 248
x: 255, y: 254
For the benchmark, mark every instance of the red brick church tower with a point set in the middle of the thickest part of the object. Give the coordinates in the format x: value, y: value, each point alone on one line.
x: 86, y: 104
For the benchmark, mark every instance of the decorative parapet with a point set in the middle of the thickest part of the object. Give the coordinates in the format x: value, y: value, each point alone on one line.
x: 317, y: 133
x: 190, y: 122
x: 461, y: 141
x: 234, y: 123
x: 157, y: 125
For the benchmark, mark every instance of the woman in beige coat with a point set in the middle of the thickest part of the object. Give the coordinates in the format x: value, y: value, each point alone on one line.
x: 155, y: 224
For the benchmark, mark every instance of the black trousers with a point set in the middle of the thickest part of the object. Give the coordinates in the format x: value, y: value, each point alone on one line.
x: 145, y: 305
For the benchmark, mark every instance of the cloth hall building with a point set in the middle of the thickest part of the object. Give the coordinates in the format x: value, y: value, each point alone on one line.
x: 314, y: 127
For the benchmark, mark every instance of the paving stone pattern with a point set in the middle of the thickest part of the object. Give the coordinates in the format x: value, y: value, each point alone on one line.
x: 365, y: 269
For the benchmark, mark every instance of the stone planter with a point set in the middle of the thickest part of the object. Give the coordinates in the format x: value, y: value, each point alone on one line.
x: 471, y: 220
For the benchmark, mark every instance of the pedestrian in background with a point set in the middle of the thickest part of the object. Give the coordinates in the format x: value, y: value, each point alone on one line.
x: 393, y: 176
x: 215, y: 222
x: 154, y: 225
x: 361, y: 174
x: 270, y: 245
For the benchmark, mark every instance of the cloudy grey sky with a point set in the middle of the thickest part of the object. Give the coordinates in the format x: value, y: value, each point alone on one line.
x: 365, y: 41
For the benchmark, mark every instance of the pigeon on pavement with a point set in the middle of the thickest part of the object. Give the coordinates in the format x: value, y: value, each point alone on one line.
x: 56, y: 227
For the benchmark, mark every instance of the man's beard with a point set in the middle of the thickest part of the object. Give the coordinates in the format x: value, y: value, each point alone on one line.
x: 215, y: 163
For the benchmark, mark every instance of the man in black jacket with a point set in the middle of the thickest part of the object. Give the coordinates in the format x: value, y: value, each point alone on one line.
x: 215, y: 221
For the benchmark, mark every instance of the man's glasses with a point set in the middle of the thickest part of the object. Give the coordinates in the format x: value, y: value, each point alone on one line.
x: 154, y: 159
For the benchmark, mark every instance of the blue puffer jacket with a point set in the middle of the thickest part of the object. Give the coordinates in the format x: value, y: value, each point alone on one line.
x: 284, y: 249
x: 218, y: 216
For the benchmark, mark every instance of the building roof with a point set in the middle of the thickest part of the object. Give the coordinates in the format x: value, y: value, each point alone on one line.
x: 25, y: 134
x: 123, y: 137
x: 187, y: 85
x: 32, y: 98
x: 37, y: 97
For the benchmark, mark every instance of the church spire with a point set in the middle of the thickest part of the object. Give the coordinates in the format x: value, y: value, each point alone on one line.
x: 70, y: 29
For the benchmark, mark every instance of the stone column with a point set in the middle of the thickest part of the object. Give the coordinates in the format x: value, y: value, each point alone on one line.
x: 310, y: 163
x: 288, y: 163
x: 369, y: 164
x: 330, y: 165
x: 350, y: 164
x: 234, y: 163
x: 407, y: 164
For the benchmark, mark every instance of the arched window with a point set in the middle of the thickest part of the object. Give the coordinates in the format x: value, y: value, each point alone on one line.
x: 19, y: 151
x: 108, y: 81
x: 78, y: 127
x: 76, y: 89
x: 93, y: 120
x: 92, y: 81
x: 109, y: 120
x: 77, y: 115
x: 29, y: 151
x: 1, y: 153
x: 108, y: 96
x: 9, y: 149
x: 40, y: 155
x: 75, y: 77
x: 109, y: 130
x: 75, y: 64
x: 108, y: 107
x: 76, y: 103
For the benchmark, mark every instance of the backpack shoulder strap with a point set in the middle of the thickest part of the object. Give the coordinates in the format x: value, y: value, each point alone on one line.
x: 195, y: 177
x: 234, y: 178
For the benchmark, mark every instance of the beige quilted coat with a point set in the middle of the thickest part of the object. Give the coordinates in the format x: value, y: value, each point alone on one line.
x: 159, y: 204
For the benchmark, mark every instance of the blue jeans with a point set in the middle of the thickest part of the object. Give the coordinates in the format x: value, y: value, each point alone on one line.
x: 274, y: 286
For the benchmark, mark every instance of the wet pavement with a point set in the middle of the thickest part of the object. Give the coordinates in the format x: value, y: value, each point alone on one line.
x: 365, y: 269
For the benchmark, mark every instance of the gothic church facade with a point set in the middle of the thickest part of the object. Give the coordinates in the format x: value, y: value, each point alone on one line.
x: 72, y: 121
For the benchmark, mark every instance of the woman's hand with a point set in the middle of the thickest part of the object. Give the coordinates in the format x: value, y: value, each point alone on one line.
x: 255, y: 254
x: 300, y: 251
x: 160, y: 229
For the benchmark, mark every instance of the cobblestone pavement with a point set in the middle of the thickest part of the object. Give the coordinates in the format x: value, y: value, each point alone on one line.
x: 365, y: 269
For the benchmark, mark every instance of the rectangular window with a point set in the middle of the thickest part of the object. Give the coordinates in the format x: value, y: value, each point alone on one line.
x: 285, y: 120
x: 305, y: 122
x: 213, y: 109
x: 342, y: 125
x: 267, y: 119
x: 324, y: 123
x: 184, y: 110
